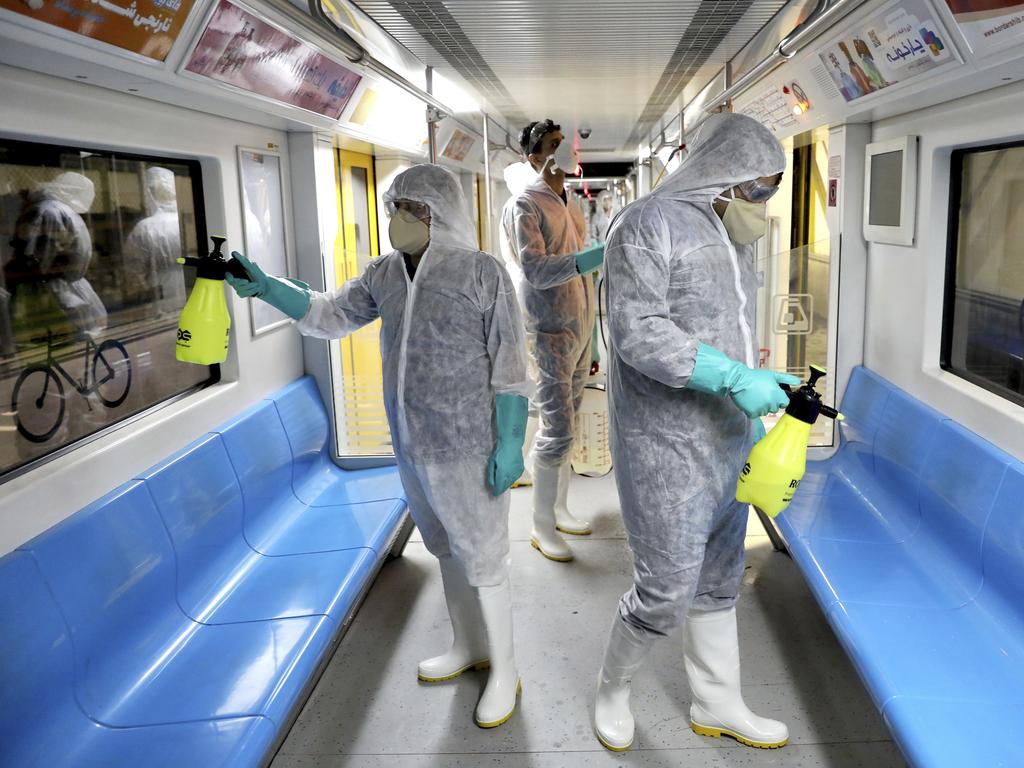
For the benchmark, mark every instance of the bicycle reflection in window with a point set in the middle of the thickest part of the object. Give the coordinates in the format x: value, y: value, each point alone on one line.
x: 39, y: 402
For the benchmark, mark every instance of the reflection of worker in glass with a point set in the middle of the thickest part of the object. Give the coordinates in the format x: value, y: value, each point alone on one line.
x: 858, y: 74
x: 606, y: 210
x: 154, y: 245
x: 52, y: 245
x: 873, y: 73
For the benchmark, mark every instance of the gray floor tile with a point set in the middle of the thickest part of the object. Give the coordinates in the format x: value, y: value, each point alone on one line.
x: 850, y: 755
x: 369, y: 710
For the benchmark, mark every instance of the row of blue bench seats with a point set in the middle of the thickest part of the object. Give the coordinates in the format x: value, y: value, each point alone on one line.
x: 911, y: 538
x: 182, y: 619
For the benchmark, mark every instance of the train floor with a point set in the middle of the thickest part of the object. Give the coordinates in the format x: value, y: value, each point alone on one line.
x: 368, y: 709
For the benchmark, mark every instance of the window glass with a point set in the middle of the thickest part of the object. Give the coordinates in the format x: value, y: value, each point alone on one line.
x: 90, y: 291
x: 983, y: 334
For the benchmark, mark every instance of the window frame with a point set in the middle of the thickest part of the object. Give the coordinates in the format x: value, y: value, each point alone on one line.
x: 956, y: 167
x: 195, y: 168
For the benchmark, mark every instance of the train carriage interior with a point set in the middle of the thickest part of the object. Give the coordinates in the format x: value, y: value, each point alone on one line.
x: 615, y: 270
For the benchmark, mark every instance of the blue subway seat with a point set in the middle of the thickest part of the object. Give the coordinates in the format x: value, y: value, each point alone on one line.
x: 316, y: 480
x: 276, y: 521
x: 221, y: 579
x: 41, y: 725
x: 139, y: 660
x: 180, y: 619
x: 915, y: 550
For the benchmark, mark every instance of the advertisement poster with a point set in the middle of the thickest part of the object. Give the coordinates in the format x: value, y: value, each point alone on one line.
x: 245, y: 51
x: 458, y: 146
x: 989, y: 25
x: 146, y: 27
x: 899, y: 43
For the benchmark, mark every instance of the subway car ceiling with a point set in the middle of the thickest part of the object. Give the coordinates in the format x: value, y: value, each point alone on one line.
x: 201, y: 82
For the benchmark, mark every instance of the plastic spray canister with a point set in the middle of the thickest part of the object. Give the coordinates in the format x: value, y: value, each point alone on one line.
x: 776, y: 465
x: 204, y: 325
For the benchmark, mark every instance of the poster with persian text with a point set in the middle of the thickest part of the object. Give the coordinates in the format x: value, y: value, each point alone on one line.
x: 240, y: 49
x: 898, y: 43
x: 146, y: 27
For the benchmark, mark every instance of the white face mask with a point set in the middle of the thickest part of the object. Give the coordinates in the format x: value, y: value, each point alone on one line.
x: 744, y: 220
x: 565, y: 158
x: 408, y: 234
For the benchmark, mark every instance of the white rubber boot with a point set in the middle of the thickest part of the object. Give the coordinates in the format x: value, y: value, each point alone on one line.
x: 566, y: 521
x: 712, y: 653
x: 544, y: 537
x: 613, y: 719
x: 469, y: 639
x: 532, y: 424
x: 498, y: 701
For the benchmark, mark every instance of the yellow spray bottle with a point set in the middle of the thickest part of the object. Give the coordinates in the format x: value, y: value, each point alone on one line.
x: 777, y: 463
x: 205, y: 325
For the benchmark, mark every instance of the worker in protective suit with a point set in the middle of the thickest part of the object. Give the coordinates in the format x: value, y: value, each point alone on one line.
x: 518, y: 177
x: 154, y: 245
x: 602, y: 218
x: 557, y: 295
x: 686, y: 399
x: 52, y: 245
x: 455, y: 391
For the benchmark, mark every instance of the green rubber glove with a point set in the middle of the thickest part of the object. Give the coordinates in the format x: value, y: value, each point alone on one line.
x: 755, y: 391
x: 758, y: 431
x: 590, y: 259
x: 506, y: 463
x: 290, y: 296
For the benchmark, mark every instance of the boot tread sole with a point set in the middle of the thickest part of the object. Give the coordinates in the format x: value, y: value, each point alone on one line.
x: 717, y: 733
x: 476, y: 665
x: 536, y: 545
x: 577, y: 532
x: 610, y: 747
x: 506, y: 718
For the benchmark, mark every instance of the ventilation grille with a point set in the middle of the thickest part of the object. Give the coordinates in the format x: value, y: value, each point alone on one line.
x: 713, y: 20
x: 436, y: 25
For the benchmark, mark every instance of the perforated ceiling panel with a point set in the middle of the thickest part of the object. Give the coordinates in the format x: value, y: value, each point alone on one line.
x: 615, y: 66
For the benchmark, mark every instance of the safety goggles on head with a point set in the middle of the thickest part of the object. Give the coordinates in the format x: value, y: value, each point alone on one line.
x: 756, y: 192
x: 415, y: 209
x: 538, y: 132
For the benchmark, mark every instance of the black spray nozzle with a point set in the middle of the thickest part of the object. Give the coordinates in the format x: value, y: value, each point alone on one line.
x: 213, y: 265
x: 805, y: 402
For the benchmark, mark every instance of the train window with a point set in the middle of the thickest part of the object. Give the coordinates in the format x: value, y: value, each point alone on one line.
x: 90, y: 292
x: 983, y: 323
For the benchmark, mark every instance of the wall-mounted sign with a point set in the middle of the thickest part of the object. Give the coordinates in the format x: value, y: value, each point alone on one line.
x: 989, y: 25
x: 900, y: 42
x: 242, y: 50
x: 458, y: 146
x: 146, y: 27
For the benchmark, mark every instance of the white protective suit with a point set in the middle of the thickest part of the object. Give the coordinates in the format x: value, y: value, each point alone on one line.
x: 602, y: 218
x: 154, y: 245
x: 675, y: 280
x: 451, y: 339
x: 53, y: 237
x: 558, y: 308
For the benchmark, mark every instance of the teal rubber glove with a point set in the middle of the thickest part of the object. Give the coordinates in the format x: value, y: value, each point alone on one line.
x: 755, y: 391
x: 590, y: 259
x: 290, y: 296
x: 506, y: 463
x: 759, y: 431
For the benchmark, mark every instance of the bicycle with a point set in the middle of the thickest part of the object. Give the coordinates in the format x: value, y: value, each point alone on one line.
x: 108, y: 360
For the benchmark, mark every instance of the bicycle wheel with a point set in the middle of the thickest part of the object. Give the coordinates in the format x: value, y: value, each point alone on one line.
x: 111, y: 373
x: 38, y: 403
